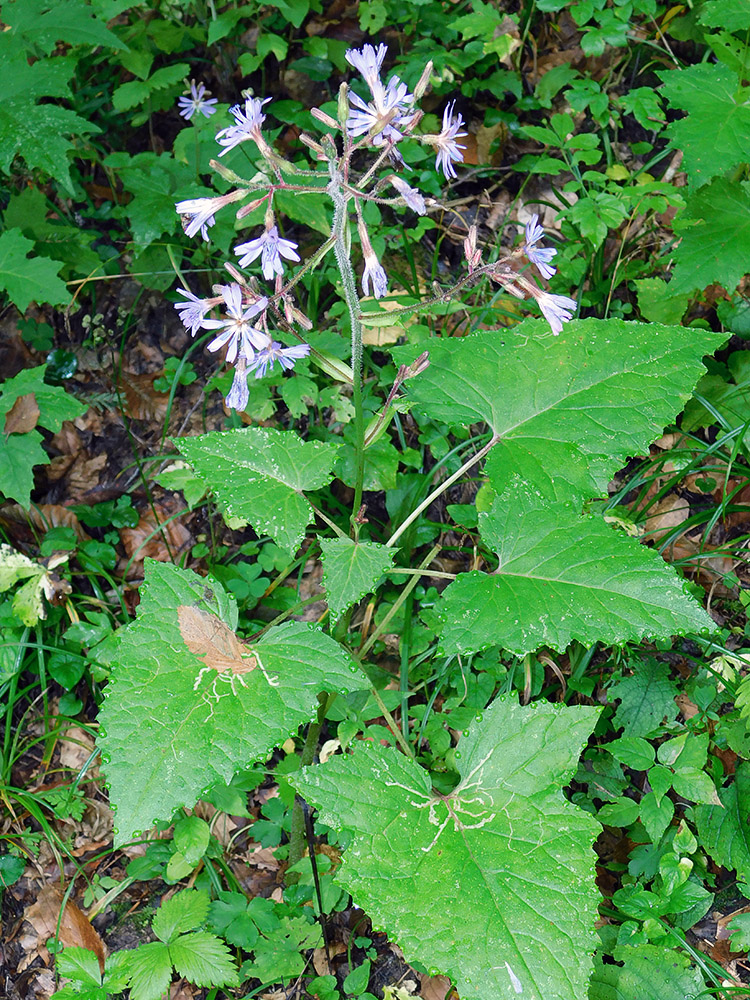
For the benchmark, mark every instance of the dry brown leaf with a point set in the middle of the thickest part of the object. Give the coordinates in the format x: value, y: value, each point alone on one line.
x: 686, y: 706
x: 670, y: 512
x: 76, y: 748
x: 40, y: 518
x: 434, y: 987
x: 141, y: 400
x: 181, y: 991
x: 146, y: 538
x: 22, y: 417
x: 83, y: 474
x: 320, y: 959
x: 75, y: 928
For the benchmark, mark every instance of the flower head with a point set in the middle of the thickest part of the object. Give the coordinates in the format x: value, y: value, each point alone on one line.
x: 193, y: 311
x: 270, y: 247
x: 373, y: 271
x: 556, y: 309
x: 248, y: 122
x: 411, y: 196
x: 286, y: 356
x: 197, y: 102
x: 541, y: 256
x: 236, y: 331
x: 376, y: 273
x: 449, y: 151
x: 197, y: 215
x: 238, y: 396
x: 391, y: 105
x: 368, y: 61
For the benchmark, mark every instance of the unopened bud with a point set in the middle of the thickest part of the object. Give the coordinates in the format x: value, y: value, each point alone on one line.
x: 333, y: 366
x: 226, y: 173
x: 250, y: 207
x: 423, y: 82
x: 343, y: 106
x: 417, y: 366
x: 311, y: 144
x: 324, y: 118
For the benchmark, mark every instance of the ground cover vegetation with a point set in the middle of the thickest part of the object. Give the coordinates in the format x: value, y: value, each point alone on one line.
x: 374, y: 499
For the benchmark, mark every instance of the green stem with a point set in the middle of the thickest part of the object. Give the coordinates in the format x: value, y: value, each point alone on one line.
x: 441, y: 489
x: 341, y: 249
x: 380, y: 629
x: 297, y: 832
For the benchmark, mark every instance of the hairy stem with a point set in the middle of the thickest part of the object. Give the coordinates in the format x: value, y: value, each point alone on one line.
x: 342, y: 251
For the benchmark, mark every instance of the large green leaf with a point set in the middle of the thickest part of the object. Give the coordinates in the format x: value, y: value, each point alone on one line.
x: 569, y: 410
x: 714, y: 132
x: 715, y: 230
x: 724, y: 830
x: 646, y: 972
x: 29, y: 279
x: 492, y: 884
x: 188, y: 704
x: 562, y: 576
x: 258, y: 474
x: 351, y: 570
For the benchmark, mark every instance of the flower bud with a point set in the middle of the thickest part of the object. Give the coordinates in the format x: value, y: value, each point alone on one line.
x: 423, y: 82
x: 343, y: 106
x: 324, y: 118
x: 331, y: 365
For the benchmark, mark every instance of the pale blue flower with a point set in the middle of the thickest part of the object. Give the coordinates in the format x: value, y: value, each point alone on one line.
x: 197, y: 102
x: 238, y: 396
x: 248, y: 122
x: 556, y: 309
x: 197, y: 215
x: 193, y: 311
x: 286, y: 356
x: 391, y: 102
x: 411, y: 196
x: 541, y: 256
x: 270, y: 247
x: 237, y: 334
x: 376, y: 273
x: 449, y: 151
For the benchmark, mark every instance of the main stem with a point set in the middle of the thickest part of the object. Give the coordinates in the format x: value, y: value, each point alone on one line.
x: 342, y: 250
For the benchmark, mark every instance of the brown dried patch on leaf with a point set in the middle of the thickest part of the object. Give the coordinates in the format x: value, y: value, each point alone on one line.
x: 213, y: 641
x: 22, y: 417
x: 75, y: 928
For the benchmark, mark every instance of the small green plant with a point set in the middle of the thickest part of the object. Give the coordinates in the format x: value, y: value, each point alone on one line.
x: 197, y: 955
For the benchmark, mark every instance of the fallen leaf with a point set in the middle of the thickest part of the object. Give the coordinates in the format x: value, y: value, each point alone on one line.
x: 320, y: 959
x: 76, y: 748
x: 22, y: 417
x: 157, y: 536
x: 75, y: 928
x: 669, y: 513
x: 434, y: 987
x: 141, y: 401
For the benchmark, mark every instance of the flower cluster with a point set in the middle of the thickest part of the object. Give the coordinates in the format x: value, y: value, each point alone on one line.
x: 241, y: 332
x: 382, y: 123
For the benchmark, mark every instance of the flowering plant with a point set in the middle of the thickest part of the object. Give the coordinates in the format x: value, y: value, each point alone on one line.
x: 479, y: 837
